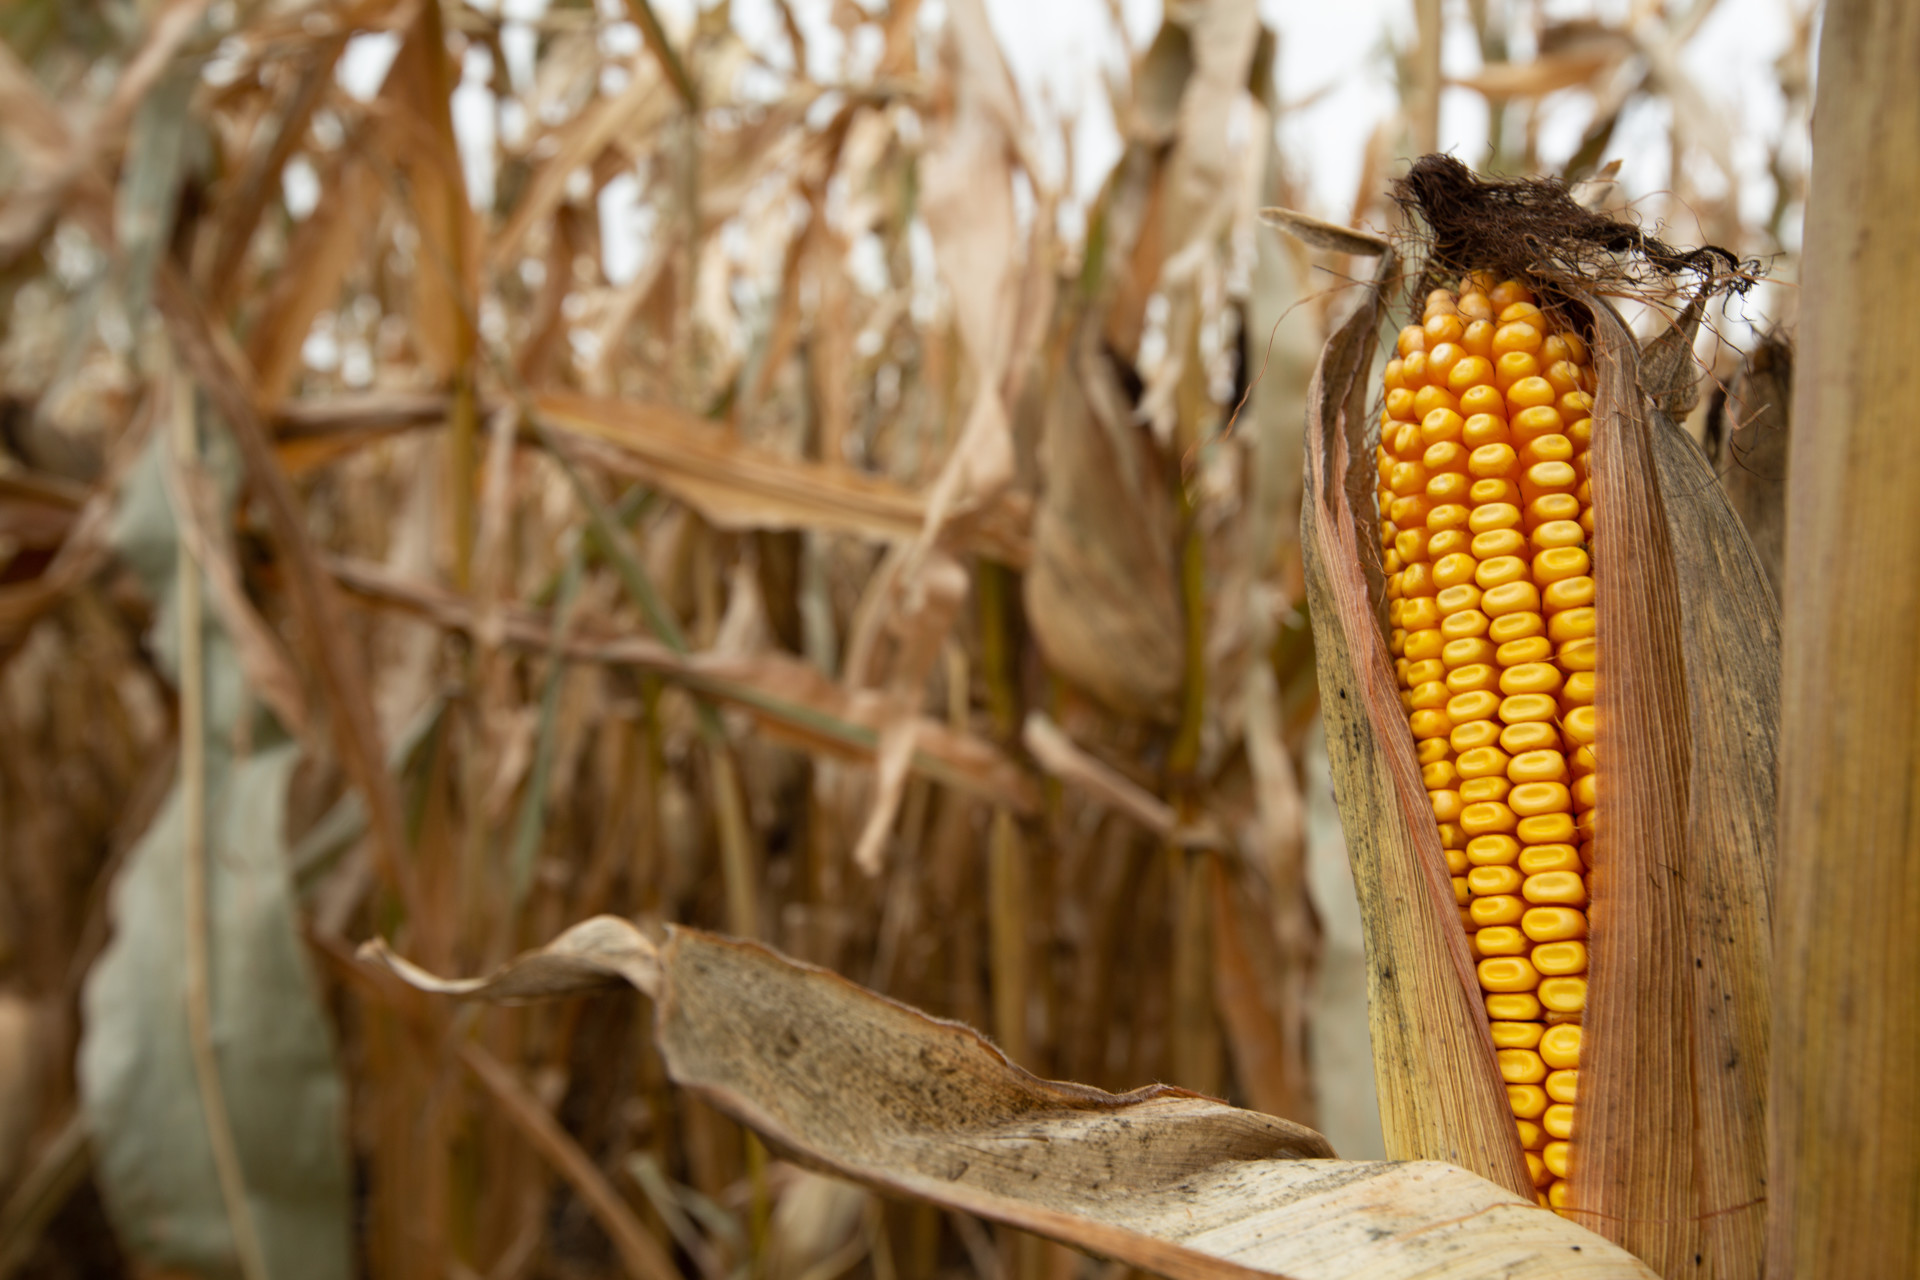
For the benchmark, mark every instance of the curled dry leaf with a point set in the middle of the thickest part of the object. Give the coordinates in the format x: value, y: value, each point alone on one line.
x: 856, y: 1085
x: 1670, y: 1158
x: 1321, y: 234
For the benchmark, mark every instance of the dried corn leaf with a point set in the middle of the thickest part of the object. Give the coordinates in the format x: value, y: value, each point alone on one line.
x: 792, y: 699
x: 1672, y: 1152
x: 1440, y: 1095
x: 1101, y: 595
x: 863, y: 1087
x: 739, y: 486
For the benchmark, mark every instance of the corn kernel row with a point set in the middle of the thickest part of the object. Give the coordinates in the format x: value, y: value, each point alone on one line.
x: 1487, y: 513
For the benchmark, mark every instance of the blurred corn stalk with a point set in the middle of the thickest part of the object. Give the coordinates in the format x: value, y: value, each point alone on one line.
x: 605, y: 466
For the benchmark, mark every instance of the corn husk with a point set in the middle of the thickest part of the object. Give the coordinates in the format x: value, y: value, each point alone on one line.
x: 1669, y: 1142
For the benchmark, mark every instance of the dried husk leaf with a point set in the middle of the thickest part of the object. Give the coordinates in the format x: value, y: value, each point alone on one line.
x: 1747, y: 443
x: 1440, y: 1095
x: 1671, y: 1122
x: 860, y: 1086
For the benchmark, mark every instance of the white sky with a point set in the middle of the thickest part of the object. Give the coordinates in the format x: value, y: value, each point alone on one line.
x: 1335, y: 60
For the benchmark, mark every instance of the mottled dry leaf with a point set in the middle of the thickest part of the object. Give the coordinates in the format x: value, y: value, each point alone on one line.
x: 860, y: 1086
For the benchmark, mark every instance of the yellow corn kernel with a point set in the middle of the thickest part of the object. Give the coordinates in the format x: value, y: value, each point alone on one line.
x: 1494, y: 543
x: 1511, y: 628
x: 1485, y: 790
x: 1489, y: 516
x: 1438, y: 776
x: 1514, y: 1035
x: 1560, y: 1046
x: 1525, y: 650
x: 1532, y: 1136
x: 1501, y: 940
x: 1458, y: 599
x: 1539, y: 858
x: 1497, y: 573
x: 1486, y: 762
x: 1472, y: 679
x: 1524, y: 708
x: 1465, y: 707
x: 1546, y: 828
x: 1487, y: 817
x: 1477, y: 733
x: 1489, y: 881
x: 1537, y: 1169
x: 1468, y: 652
x: 1537, y: 766
x: 1527, y: 1101
x: 1492, y: 851
x: 1557, y: 1120
x: 1520, y: 1066
x: 1563, y: 1085
x: 1424, y: 642
x: 1446, y: 805
x: 1530, y: 677
x: 1563, y: 995
x: 1552, y: 924
x: 1513, y: 1006
x: 1530, y: 799
x: 1461, y: 895
x: 1511, y: 597
x: 1559, y: 959
x: 1505, y: 973
x: 1576, y: 656
x: 1568, y: 593
x: 1555, y: 889
x: 1556, y: 1155
x: 1499, y: 909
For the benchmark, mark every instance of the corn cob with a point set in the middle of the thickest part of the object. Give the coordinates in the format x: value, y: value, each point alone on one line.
x: 1486, y: 514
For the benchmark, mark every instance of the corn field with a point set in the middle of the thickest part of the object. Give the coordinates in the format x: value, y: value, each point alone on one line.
x: 469, y: 469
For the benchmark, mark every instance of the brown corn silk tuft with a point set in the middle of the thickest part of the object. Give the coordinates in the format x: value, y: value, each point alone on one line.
x: 1669, y: 1155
